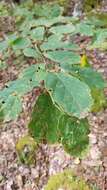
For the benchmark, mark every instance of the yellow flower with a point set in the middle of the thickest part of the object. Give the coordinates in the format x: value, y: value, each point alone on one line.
x: 84, y: 61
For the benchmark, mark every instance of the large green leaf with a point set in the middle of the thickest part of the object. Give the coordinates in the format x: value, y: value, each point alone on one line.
x: 49, y: 124
x: 63, y: 57
x: 74, y: 135
x: 70, y: 94
x: 54, y: 42
x: 44, y: 120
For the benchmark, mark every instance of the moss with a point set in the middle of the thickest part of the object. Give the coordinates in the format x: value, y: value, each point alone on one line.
x: 100, y: 101
x: 66, y: 180
x: 26, y: 147
x: 90, y: 4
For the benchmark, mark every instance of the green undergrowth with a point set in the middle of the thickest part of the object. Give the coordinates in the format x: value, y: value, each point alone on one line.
x: 69, y: 91
x: 66, y: 180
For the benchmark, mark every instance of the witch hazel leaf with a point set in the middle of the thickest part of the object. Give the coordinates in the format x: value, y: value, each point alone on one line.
x: 31, y: 52
x: 21, y: 43
x: 63, y: 29
x: 63, y: 57
x: 69, y: 93
x: 11, y: 108
x: 37, y: 34
x: 74, y: 135
x: 35, y: 73
x: 54, y: 42
x: 43, y: 126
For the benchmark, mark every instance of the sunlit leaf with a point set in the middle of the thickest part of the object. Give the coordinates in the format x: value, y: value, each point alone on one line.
x: 63, y: 57
x: 31, y: 52
x: 63, y: 29
x: 37, y: 33
x: 54, y: 42
x: 70, y: 94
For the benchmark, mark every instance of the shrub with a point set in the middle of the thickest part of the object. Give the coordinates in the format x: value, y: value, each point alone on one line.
x: 69, y: 90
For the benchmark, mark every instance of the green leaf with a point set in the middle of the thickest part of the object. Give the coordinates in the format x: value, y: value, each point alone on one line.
x: 31, y: 52
x: 63, y: 29
x: 84, y: 29
x: 47, y: 22
x: 63, y: 57
x: 88, y: 75
x: 34, y: 73
x: 44, y: 120
x: 37, y: 33
x: 60, y: 128
x: 22, y: 12
x: 70, y: 94
x: 11, y: 107
x: 28, y: 79
x: 18, y: 87
x: 99, y: 40
x: 74, y: 135
x: 11, y: 38
x: 98, y: 19
x: 21, y: 43
x: 14, y: 90
x: 54, y: 42
x: 48, y: 10
x: 101, y: 46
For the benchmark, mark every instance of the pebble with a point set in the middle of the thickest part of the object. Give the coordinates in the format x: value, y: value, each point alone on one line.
x: 34, y: 173
x: 93, y: 138
x: 77, y: 161
x: 95, y: 153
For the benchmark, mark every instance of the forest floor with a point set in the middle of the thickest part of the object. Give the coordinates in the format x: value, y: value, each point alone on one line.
x: 52, y: 159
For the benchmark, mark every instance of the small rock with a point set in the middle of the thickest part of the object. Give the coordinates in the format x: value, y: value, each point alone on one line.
x: 93, y: 138
x: 19, y: 181
x: 34, y: 173
x: 77, y: 161
x: 95, y: 153
x: 104, y: 151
